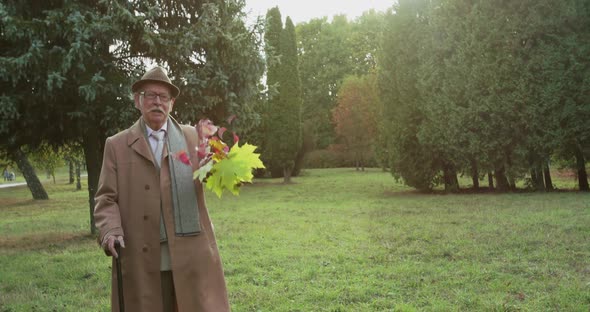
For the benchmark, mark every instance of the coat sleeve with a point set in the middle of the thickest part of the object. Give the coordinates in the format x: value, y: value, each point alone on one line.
x: 106, y: 210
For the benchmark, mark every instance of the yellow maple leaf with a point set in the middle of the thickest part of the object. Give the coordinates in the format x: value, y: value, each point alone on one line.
x: 231, y: 172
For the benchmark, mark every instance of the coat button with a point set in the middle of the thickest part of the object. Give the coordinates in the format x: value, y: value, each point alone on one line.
x: 147, y: 186
x: 145, y: 217
x: 145, y: 249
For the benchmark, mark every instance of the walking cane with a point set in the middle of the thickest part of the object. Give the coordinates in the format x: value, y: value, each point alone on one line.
x: 119, y: 277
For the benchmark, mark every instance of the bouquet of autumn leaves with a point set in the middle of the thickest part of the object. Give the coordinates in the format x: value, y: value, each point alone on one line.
x: 222, y: 167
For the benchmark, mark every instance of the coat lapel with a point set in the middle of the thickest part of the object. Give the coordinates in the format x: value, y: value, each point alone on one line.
x: 165, y: 150
x: 137, y: 141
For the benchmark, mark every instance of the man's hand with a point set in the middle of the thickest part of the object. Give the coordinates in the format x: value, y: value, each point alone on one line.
x: 109, y: 245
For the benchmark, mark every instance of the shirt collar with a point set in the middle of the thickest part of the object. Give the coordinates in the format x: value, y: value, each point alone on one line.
x: 149, y: 130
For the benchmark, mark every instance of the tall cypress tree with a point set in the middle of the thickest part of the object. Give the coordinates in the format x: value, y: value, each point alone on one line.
x: 403, y: 117
x: 287, y: 113
x: 272, y: 41
x: 282, y: 116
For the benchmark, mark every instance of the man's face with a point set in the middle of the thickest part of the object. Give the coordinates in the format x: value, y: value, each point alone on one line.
x: 153, y: 108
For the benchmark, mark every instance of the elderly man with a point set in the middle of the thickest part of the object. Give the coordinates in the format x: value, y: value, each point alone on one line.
x: 148, y: 202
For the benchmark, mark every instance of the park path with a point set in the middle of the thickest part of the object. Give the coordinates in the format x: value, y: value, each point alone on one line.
x: 12, y: 184
x: 7, y: 185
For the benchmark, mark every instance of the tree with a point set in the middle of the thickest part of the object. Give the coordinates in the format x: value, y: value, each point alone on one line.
x: 328, y: 53
x: 48, y: 158
x: 272, y: 44
x: 289, y: 111
x: 355, y: 117
x: 564, y: 51
x: 366, y: 33
x: 478, y: 86
x: 409, y: 159
x: 71, y: 80
x: 283, y: 121
x: 33, y: 183
x: 324, y: 61
x: 74, y: 156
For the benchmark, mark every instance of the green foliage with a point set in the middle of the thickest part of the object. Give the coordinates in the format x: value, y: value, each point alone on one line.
x: 480, y: 86
x: 272, y: 43
x: 53, y: 59
x: 400, y: 94
x: 81, y: 67
x: 365, y: 39
x: 324, y: 62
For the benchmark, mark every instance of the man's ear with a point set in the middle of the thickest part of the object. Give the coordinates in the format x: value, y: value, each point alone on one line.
x: 172, y: 101
x: 136, y: 101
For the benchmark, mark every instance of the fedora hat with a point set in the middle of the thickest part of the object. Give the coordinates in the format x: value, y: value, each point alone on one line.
x: 156, y: 74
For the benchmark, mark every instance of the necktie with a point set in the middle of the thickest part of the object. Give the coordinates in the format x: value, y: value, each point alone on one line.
x: 159, y: 136
x: 164, y: 249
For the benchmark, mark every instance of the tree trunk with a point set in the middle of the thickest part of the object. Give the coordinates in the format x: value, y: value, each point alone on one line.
x: 286, y: 175
x: 362, y: 162
x: 534, y: 178
x: 512, y: 183
x: 93, y: 146
x: 537, y: 178
x: 490, y: 180
x: 71, y: 171
x: 474, y: 174
x: 298, y: 162
x: 509, y: 177
x: 78, y: 183
x: 582, y: 174
x: 450, y: 179
x: 28, y: 171
x: 501, y: 180
x: 548, y: 180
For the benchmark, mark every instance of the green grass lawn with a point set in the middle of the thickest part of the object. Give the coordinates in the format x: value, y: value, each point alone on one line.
x: 334, y: 240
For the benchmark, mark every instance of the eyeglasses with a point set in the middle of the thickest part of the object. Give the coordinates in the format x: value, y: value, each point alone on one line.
x: 164, y: 97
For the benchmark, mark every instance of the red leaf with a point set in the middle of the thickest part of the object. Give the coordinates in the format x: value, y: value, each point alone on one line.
x: 183, y: 157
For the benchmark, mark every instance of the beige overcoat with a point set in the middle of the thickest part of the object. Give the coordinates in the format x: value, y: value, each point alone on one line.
x: 128, y: 202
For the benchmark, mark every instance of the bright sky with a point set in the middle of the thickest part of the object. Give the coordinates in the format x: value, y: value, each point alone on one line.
x: 304, y: 10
